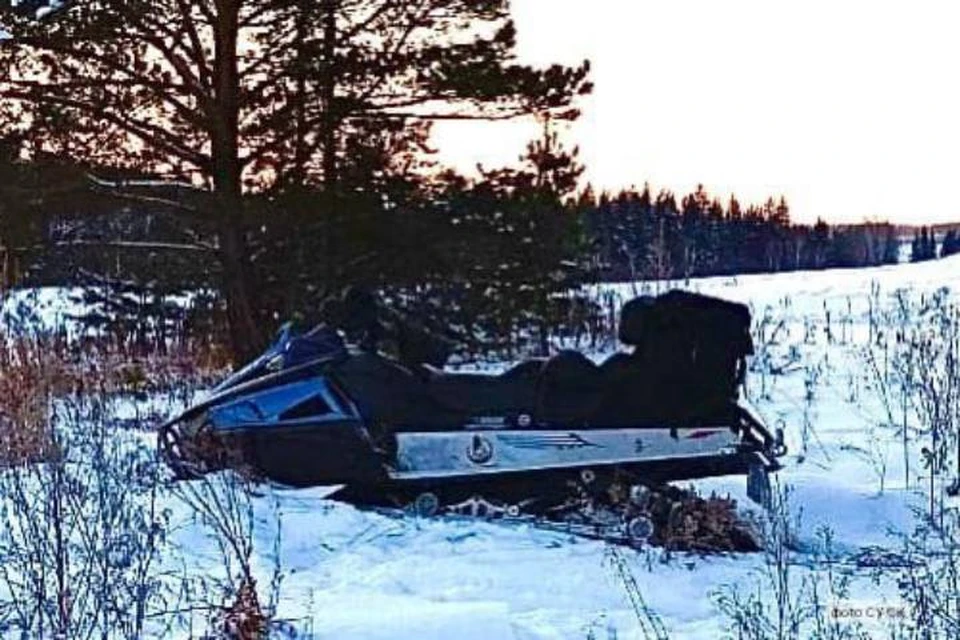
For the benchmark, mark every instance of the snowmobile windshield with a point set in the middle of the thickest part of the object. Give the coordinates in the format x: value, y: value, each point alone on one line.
x: 320, y: 342
x: 289, y: 350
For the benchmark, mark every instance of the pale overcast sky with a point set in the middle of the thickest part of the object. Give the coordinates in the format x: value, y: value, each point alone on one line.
x: 850, y: 108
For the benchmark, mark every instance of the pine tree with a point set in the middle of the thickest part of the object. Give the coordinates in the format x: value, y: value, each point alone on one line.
x: 916, y: 248
x: 242, y: 96
x: 891, y: 250
x: 951, y: 244
x: 536, y: 237
x: 926, y: 244
x: 666, y: 250
x: 821, y: 242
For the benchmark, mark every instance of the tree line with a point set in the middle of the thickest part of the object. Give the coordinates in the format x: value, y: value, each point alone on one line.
x: 638, y: 235
x: 488, y: 261
x: 924, y: 245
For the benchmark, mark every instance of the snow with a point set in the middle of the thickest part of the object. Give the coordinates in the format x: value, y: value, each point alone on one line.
x: 368, y: 575
x: 50, y: 8
x: 354, y: 574
x: 49, y: 307
x: 54, y: 309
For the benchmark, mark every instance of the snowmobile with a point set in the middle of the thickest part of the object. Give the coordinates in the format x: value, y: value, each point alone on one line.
x: 543, y: 435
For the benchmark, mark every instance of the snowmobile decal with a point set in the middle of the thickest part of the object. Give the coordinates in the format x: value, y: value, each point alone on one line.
x: 480, y: 450
x: 702, y: 433
x: 545, y: 441
x: 487, y: 422
x: 498, y: 422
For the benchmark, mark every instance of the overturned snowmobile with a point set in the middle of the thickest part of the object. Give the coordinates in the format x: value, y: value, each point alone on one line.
x: 312, y: 410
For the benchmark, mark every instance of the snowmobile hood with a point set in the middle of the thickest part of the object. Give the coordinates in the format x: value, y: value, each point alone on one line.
x: 289, y: 350
x: 223, y: 392
x: 290, y: 357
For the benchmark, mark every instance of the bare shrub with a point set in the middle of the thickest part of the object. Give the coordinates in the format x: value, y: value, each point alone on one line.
x: 83, y: 524
x: 224, y: 504
x: 926, y: 370
x: 30, y: 373
x: 929, y: 580
x: 783, y: 603
x: 82, y: 532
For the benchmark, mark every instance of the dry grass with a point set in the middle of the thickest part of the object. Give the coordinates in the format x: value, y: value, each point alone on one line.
x: 30, y: 374
x: 48, y: 385
x: 36, y: 369
x: 244, y: 619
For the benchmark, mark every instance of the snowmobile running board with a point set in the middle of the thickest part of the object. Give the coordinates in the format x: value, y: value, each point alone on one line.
x: 652, y: 455
x: 464, y: 453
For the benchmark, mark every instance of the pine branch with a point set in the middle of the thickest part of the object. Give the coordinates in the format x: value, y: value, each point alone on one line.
x: 136, y: 244
x: 116, y: 189
x: 151, y: 134
x: 204, y: 73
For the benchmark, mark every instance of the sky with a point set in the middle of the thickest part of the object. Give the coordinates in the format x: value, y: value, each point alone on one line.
x: 849, y: 108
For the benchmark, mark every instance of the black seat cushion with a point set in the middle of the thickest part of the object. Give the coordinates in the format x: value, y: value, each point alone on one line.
x: 395, y: 397
x: 476, y: 394
x: 616, y: 366
x: 568, y: 390
x: 635, y: 318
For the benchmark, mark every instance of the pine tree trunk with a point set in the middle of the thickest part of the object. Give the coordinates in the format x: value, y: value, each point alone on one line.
x: 329, y: 135
x: 244, y: 336
x: 329, y: 92
x: 301, y: 152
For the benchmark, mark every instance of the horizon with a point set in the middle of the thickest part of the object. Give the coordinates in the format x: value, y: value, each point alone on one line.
x: 844, y: 110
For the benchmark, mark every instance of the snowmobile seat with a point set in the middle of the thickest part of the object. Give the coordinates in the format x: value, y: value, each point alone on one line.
x: 392, y: 397
x: 508, y: 394
x: 636, y: 318
x: 616, y: 365
x: 569, y: 389
x: 687, y: 363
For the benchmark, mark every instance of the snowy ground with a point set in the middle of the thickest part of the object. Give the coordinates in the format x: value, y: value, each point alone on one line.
x: 367, y: 576
x: 352, y: 574
x: 56, y: 309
